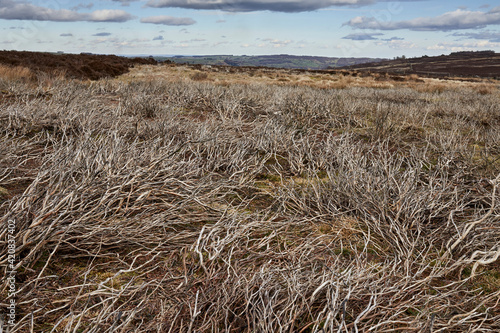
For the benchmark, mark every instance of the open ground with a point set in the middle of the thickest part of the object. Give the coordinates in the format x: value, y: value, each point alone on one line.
x: 210, y: 199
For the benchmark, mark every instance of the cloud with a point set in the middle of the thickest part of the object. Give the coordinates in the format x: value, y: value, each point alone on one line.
x: 269, y: 43
x: 220, y: 43
x: 66, y: 35
x: 491, y: 36
x: 458, y: 19
x: 168, y: 20
x: 220, y: 21
x: 289, y: 6
x: 397, y: 44
x: 194, y: 40
x: 472, y: 46
x: 102, y: 34
x: 392, y: 38
x: 83, y: 5
x: 158, y: 38
x: 14, y: 10
x: 119, y: 43
x: 362, y: 36
x: 124, y: 2
x: 276, y: 43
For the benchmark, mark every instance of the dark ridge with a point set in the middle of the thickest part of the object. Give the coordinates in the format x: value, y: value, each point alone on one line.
x: 484, y: 64
x: 79, y: 66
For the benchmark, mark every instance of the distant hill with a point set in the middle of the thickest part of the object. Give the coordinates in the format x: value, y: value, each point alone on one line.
x: 479, y: 64
x: 276, y: 61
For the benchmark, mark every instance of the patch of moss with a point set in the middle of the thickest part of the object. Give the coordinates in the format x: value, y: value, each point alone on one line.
x: 343, y: 251
x: 4, y: 193
x: 412, y: 312
x: 269, y: 177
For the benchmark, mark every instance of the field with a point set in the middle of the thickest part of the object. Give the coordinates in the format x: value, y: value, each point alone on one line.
x: 276, y: 61
x: 200, y: 199
x: 468, y: 64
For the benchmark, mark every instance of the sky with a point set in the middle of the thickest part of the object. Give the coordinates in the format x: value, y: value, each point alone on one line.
x: 332, y: 28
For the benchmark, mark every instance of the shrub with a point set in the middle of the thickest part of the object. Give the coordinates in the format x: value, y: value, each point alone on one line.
x: 199, y: 76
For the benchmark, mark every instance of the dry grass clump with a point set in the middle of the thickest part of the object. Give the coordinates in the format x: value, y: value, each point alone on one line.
x: 199, y: 76
x: 432, y: 87
x: 156, y: 206
x: 485, y: 89
x: 11, y: 73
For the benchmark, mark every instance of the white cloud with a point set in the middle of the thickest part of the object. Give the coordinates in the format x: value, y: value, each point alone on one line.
x: 397, y: 44
x: 472, y: 46
x: 257, y: 5
x: 13, y: 10
x: 119, y: 43
x: 362, y: 36
x: 275, y: 43
x: 194, y: 40
x: 458, y: 19
x: 124, y: 2
x: 168, y: 20
x: 83, y: 5
x: 492, y: 36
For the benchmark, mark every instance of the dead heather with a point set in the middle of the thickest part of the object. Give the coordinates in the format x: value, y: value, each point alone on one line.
x: 33, y: 65
x: 186, y: 205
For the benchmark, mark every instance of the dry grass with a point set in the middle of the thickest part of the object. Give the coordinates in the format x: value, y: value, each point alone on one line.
x: 11, y: 73
x: 282, y: 77
x: 199, y: 76
x: 164, y: 204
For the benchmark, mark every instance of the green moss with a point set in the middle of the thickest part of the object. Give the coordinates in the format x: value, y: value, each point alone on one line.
x: 269, y: 177
x: 343, y: 251
x: 412, y: 312
x: 40, y: 263
x: 487, y: 280
x: 4, y: 193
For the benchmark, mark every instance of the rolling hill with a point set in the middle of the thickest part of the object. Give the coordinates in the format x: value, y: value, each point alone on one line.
x: 276, y: 61
x: 480, y: 64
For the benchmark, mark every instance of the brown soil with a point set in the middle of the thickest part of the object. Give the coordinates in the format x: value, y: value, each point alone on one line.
x: 78, y: 66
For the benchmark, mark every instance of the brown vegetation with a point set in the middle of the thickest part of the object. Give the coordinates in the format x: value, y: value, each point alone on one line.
x: 484, y: 64
x: 79, y: 66
x: 157, y: 203
x: 339, y: 79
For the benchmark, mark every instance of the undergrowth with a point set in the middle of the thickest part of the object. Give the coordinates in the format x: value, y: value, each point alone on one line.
x: 193, y: 207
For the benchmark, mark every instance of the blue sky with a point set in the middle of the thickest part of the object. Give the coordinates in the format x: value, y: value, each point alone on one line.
x: 335, y: 28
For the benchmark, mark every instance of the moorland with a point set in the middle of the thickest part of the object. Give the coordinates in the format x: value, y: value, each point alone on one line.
x: 275, y: 61
x: 484, y: 64
x: 176, y: 198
